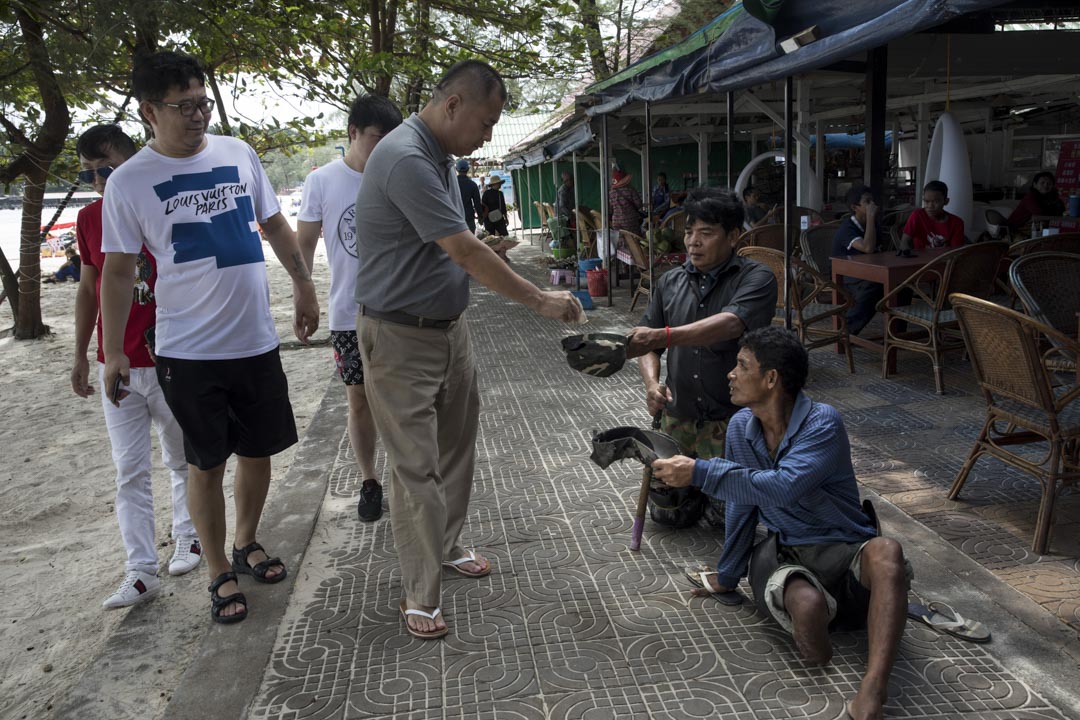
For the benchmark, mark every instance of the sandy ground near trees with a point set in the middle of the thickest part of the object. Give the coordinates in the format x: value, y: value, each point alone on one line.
x: 62, y: 553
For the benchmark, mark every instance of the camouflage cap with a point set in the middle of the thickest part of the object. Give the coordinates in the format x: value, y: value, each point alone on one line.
x: 596, y: 354
x: 631, y: 442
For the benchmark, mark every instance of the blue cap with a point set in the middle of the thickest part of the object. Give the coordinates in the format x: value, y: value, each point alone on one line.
x: 463, y: 165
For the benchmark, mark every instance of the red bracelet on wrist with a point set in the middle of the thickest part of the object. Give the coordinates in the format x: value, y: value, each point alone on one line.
x: 668, y: 335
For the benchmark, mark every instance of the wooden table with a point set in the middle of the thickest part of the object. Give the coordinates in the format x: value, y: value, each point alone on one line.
x: 886, y: 268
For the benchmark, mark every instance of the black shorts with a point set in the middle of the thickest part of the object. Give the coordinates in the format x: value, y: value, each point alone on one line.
x: 347, y: 356
x: 229, y: 406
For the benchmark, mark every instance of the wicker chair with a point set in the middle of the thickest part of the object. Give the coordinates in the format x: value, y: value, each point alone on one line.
x: 971, y: 270
x: 1063, y: 242
x: 1012, y: 372
x: 816, y: 246
x: 811, y: 302
x: 769, y: 236
x: 545, y: 231
x: 586, y: 233
x: 1048, y: 285
x: 801, y: 212
x: 637, y: 246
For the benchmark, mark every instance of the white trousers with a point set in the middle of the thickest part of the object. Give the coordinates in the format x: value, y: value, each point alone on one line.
x: 129, y: 434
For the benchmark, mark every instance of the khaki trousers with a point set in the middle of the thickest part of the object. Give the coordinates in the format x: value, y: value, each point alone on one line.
x: 421, y: 386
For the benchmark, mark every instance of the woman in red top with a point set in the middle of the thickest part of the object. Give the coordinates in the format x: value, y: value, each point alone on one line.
x: 931, y: 225
x: 1041, y: 199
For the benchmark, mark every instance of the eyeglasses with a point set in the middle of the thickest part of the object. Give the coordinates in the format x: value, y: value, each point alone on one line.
x: 87, y: 176
x: 187, y: 108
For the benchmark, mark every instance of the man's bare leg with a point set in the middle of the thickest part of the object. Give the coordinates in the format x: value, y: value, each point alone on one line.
x: 810, y: 617
x: 249, y: 491
x: 361, y: 430
x: 883, y: 574
x: 206, y: 503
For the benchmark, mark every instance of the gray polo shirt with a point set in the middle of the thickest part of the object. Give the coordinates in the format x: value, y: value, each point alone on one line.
x: 408, y: 200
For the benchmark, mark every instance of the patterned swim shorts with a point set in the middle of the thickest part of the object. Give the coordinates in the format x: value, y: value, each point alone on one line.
x: 347, y: 356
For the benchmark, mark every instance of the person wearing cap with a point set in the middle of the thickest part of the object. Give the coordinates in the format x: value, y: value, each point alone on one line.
x: 416, y: 257
x: 493, y: 207
x: 470, y: 194
x: 696, y: 314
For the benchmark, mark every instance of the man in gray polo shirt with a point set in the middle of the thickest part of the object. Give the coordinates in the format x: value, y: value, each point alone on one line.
x: 416, y: 255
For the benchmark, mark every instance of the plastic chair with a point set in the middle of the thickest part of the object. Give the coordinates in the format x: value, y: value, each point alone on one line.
x: 811, y: 302
x: 1016, y: 384
x: 972, y: 270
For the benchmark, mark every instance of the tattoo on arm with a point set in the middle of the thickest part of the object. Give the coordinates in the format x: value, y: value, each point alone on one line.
x: 299, y: 267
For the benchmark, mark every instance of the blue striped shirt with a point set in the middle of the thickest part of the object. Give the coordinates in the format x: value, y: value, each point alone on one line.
x: 807, y: 495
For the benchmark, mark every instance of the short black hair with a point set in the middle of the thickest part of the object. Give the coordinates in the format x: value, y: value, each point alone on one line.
x: 472, y: 78
x: 855, y: 194
x: 661, y: 175
x: 937, y: 186
x: 779, y: 349
x: 747, y: 191
x: 374, y: 111
x: 154, y: 75
x: 1040, y: 175
x: 95, y: 143
x: 716, y: 206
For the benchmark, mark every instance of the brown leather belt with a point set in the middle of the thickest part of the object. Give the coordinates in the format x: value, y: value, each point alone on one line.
x: 402, y: 318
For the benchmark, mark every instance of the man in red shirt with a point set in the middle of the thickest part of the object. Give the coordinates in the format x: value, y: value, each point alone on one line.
x: 931, y: 226
x: 101, y: 150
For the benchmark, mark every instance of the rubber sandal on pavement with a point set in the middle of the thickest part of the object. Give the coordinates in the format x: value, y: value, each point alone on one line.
x: 941, y: 617
x: 219, y: 603
x: 258, y: 570
x: 699, y: 577
x: 431, y: 635
x: 471, y: 557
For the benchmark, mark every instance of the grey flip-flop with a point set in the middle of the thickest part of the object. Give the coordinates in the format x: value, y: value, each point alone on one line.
x: 699, y: 577
x: 941, y: 617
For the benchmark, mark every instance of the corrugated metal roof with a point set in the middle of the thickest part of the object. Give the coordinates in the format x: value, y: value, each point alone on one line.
x: 509, y: 131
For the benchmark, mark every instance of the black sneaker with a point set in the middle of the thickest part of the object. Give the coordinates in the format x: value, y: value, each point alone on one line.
x: 370, y: 506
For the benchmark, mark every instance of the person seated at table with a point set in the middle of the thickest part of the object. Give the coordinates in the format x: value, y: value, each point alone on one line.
x: 932, y: 226
x: 787, y: 465
x: 859, y: 234
x: 661, y: 195
x: 756, y: 214
x: 1041, y: 199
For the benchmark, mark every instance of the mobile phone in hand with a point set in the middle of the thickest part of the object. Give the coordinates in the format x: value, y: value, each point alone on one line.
x: 116, y: 389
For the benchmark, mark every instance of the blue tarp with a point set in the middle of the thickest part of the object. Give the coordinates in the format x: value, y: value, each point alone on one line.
x: 748, y: 52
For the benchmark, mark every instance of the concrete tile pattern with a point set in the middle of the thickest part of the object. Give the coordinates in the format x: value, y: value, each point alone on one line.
x: 573, y: 625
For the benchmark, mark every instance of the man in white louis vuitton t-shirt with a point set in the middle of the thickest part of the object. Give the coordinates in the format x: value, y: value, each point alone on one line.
x: 198, y: 201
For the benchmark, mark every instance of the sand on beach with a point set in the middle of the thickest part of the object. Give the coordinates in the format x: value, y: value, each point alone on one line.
x: 62, y: 549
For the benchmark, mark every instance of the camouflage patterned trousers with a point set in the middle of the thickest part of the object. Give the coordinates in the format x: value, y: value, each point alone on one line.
x: 704, y: 442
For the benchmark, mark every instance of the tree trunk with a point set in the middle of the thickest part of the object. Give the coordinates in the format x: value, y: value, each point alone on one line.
x: 423, y: 41
x: 383, y: 26
x: 594, y: 41
x: 28, y: 324
x: 223, y: 117
x: 11, y: 286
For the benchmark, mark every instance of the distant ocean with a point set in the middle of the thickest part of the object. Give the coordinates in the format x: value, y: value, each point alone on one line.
x: 10, y: 225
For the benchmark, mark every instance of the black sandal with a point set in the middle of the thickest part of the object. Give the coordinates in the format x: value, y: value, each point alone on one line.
x: 257, y: 571
x: 218, y: 603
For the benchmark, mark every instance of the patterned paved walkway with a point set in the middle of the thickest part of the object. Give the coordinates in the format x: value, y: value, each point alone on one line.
x: 572, y: 625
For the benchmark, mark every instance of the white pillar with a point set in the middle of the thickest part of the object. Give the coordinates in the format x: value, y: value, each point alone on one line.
x: 703, y: 158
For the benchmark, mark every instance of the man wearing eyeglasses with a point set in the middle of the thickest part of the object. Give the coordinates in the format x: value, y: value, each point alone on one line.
x: 198, y: 201
x: 102, y: 149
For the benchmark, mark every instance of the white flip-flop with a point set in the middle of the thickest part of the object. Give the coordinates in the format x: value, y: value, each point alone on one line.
x: 429, y: 635
x: 471, y: 557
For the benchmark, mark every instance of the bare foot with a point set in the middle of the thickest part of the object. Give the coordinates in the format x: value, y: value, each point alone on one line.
x: 421, y: 623
x: 480, y: 565
x: 867, y: 705
x: 713, y: 587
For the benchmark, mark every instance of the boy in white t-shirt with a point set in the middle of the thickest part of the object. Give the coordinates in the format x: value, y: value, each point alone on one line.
x: 198, y: 202
x: 328, y: 207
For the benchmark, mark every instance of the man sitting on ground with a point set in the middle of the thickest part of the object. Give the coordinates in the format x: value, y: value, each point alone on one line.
x: 932, y: 226
x: 789, y: 467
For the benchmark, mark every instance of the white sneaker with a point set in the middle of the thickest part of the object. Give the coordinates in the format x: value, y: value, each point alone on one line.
x: 137, y: 587
x: 187, y: 556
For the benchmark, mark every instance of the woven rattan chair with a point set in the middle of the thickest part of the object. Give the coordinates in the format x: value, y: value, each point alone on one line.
x: 816, y: 246
x: 769, y: 236
x: 812, y: 308
x: 1048, y: 285
x: 637, y: 246
x: 1004, y: 346
x: 971, y: 270
x: 545, y: 231
x: 1063, y: 242
x: 801, y: 212
x: 586, y: 233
